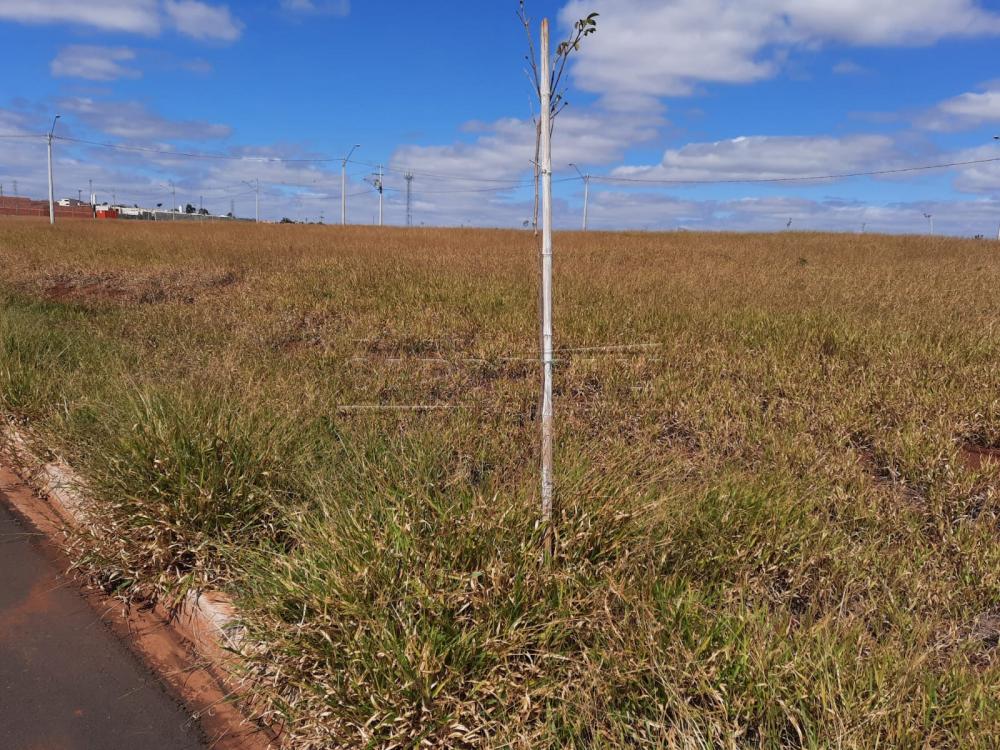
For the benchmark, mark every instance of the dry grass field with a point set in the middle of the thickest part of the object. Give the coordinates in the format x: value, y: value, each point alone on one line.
x: 778, y: 518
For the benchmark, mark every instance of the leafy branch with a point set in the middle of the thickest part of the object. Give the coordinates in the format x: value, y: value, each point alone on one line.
x: 582, y: 28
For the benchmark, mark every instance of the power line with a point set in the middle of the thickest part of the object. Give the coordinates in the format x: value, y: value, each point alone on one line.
x: 812, y: 178
x: 457, y: 191
x: 259, y: 158
x: 194, y: 154
x: 506, y: 184
x: 403, y: 170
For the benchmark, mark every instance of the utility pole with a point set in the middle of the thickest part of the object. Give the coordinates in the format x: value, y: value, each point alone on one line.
x: 232, y: 208
x: 90, y: 184
x: 343, y: 185
x: 997, y: 138
x: 380, y: 184
x: 15, y: 188
x: 52, y: 200
x: 548, y: 417
x: 930, y: 220
x: 173, y: 208
x: 409, y: 198
x: 586, y: 194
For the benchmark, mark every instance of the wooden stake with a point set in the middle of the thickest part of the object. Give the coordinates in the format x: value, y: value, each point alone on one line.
x: 548, y: 419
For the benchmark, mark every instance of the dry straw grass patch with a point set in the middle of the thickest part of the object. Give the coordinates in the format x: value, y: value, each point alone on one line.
x: 778, y: 515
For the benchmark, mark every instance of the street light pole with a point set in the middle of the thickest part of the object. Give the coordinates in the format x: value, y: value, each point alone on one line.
x: 52, y: 198
x: 343, y: 184
x: 586, y: 194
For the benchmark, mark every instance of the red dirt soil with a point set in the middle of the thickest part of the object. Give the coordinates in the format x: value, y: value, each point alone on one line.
x: 979, y: 458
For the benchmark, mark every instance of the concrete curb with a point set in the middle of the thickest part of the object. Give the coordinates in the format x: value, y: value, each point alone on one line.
x: 207, y: 620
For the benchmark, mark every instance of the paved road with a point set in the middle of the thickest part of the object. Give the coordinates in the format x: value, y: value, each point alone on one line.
x: 66, y: 682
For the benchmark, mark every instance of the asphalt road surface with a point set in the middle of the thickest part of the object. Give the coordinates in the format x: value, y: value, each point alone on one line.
x: 66, y: 682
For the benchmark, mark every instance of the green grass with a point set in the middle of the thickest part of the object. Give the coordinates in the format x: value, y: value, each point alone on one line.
x: 770, y: 534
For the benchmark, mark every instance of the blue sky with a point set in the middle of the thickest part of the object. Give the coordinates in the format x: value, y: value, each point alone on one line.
x: 672, y: 90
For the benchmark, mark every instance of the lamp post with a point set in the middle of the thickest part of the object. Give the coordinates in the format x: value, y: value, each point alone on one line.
x: 52, y: 198
x: 586, y: 194
x: 343, y: 184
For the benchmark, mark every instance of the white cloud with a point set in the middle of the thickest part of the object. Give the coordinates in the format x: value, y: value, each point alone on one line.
x: 965, y: 111
x: 654, y: 48
x: 133, y: 121
x: 650, y: 49
x: 979, y: 179
x: 770, y: 157
x: 132, y: 16
x: 305, y: 191
x: 325, y: 7
x: 614, y: 209
x: 848, y: 68
x: 203, y: 21
x: 15, y: 123
x: 95, y: 63
x: 886, y: 22
x: 193, y: 18
x: 505, y: 149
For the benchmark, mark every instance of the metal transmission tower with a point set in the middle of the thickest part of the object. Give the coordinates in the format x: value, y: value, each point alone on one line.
x: 409, y: 198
